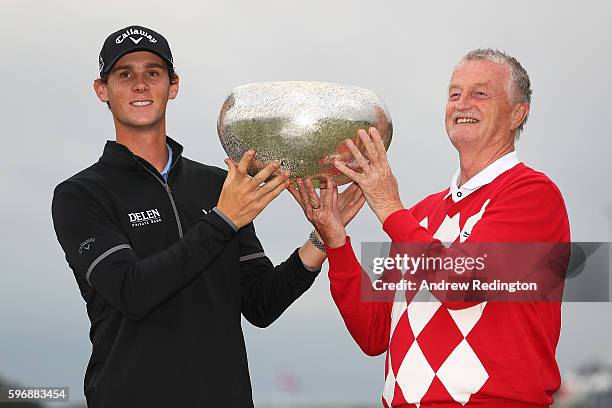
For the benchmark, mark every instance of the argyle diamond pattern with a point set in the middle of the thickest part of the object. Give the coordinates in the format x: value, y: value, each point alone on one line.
x: 429, y: 356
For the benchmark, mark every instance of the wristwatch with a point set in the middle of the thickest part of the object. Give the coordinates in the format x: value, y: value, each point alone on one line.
x: 316, y: 242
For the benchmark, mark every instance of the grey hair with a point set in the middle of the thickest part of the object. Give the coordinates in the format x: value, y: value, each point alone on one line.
x: 519, y: 85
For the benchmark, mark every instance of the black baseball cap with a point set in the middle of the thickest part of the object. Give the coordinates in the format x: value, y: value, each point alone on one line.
x: 131, y: 39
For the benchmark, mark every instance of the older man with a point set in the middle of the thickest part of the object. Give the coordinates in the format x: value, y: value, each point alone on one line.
x: 440, y: 354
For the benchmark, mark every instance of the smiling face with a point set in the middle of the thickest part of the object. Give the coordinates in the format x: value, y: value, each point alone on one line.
x: 478, y: 111
x: 138, y: 89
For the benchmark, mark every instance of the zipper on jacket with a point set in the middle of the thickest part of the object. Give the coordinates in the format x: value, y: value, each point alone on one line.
x: 169, y: 192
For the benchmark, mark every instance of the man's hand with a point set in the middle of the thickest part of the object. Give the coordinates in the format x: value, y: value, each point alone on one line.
x: 242, y: 197
x: 324, y: 212
x: 377, y: 181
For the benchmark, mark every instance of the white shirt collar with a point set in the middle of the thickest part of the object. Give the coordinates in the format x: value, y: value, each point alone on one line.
x: 484, y: 177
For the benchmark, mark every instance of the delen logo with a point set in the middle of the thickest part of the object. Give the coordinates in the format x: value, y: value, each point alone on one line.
x: 147, y: 217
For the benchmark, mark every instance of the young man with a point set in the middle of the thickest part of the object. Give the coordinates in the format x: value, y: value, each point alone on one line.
x: 453, y: 354
x: 164, y: 250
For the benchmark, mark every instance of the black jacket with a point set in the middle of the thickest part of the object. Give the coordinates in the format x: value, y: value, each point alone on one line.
x: 166, y: 278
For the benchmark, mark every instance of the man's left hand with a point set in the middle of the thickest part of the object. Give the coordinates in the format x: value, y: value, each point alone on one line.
x: 377, y: 182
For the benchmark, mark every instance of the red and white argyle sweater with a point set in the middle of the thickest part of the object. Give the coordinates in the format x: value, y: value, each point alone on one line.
x: 490, y: 355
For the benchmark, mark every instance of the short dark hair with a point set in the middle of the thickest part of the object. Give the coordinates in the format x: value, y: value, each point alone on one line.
x: 172, y: 75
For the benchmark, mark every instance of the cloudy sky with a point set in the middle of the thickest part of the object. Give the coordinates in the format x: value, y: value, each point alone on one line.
x: 54, y: 126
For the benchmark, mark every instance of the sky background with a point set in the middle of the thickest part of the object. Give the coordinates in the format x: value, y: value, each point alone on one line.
x: 53, y: 126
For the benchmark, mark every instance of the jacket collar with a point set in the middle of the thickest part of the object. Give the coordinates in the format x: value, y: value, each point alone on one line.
x: 118, y: 155
x: 484, y: 177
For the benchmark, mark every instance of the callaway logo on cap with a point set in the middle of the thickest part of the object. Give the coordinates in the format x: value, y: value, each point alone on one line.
x: 131, y: 39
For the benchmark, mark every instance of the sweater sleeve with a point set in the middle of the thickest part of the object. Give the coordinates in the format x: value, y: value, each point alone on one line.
x: 99, y: 253
x: 367, y: 322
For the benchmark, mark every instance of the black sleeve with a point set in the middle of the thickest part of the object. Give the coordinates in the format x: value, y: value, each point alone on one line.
x: 97, y: 250
x: 268, y: 290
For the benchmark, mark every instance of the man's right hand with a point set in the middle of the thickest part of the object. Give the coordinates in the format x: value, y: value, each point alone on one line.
x: 242, y: 197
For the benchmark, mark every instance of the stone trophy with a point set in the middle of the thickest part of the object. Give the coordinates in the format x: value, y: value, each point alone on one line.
x: 302, y: 124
